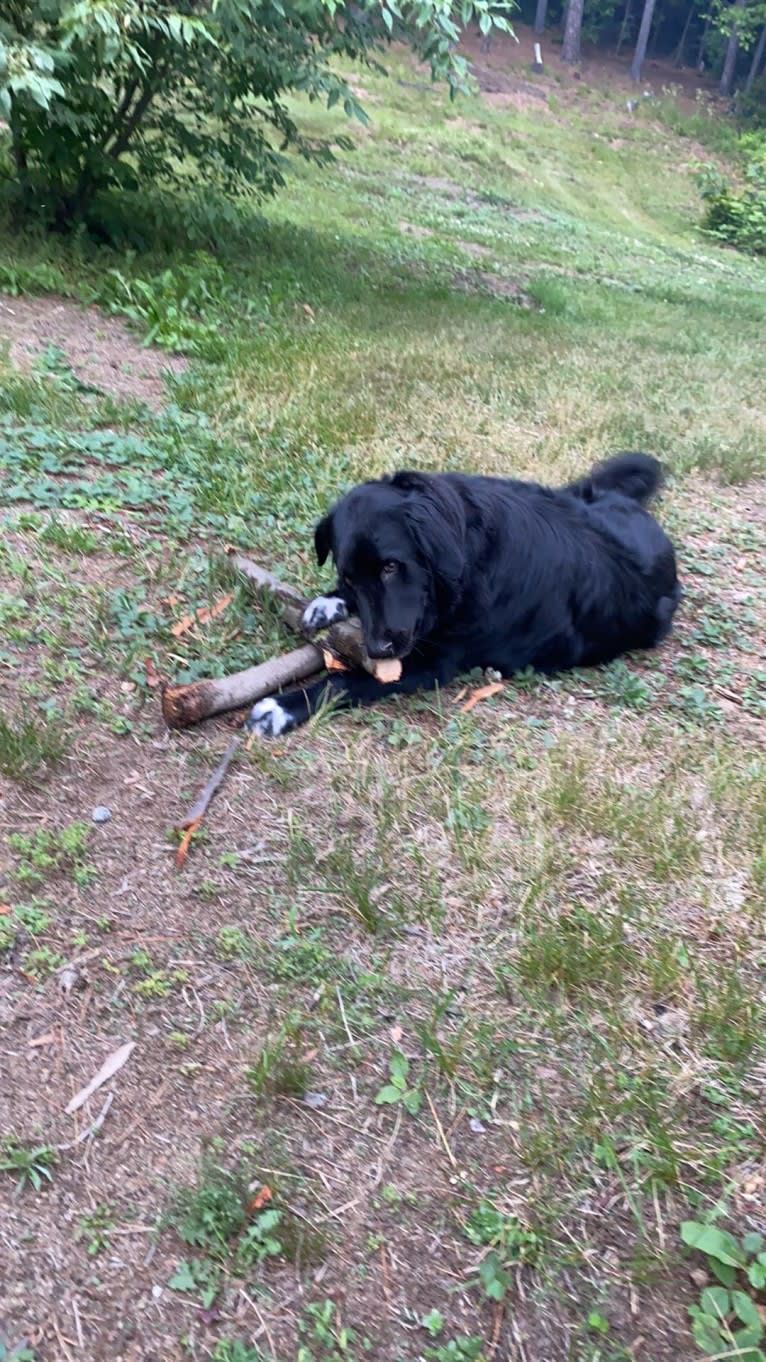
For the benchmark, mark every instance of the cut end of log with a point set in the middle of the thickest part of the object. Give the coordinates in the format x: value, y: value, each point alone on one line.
x: 387, y: 671
x: 183, y: 706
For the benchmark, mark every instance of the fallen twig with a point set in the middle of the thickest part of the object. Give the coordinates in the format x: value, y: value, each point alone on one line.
x: 482, y: 693
x: 440, y: 1131
x: 89, y: 1130
x: 189, y: 825
x: 183, y: 706
x: 110, y: 1066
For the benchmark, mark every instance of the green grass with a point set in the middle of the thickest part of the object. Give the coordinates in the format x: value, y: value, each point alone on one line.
x: 536, y: 928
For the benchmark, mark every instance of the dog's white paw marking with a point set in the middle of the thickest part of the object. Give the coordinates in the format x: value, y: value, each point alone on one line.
x: 323, y: 611
x: 269, y: 719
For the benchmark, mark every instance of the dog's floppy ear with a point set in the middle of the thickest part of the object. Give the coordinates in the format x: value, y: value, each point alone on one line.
x: 323, y: 538
x: 436, y: 517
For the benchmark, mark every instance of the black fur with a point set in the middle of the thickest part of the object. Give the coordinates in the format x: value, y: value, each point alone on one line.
x: 451, y: 572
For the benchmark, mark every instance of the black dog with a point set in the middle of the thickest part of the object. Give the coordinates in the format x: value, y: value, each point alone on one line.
x: 449, y: 572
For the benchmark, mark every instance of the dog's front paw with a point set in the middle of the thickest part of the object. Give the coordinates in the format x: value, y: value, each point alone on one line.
x: 322, y: 612
x: 270, y: 719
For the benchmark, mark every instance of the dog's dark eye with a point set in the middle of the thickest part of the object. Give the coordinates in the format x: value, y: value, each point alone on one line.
x: 388, y: 569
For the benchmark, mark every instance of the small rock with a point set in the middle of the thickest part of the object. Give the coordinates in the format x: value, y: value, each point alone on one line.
x: 476, y: 1126
x: 315, y: 1099
x: 101, y: 814
x: 156, y: 1291
x: 70, y: 979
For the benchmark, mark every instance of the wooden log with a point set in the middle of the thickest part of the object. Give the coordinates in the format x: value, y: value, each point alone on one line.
x: 292, y: 602
x: 183, y: 706
x: 343, y: 640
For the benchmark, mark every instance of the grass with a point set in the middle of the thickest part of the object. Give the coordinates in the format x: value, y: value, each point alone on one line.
x: 451, y: 1020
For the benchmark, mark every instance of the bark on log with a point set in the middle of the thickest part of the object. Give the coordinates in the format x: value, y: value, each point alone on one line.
x: 183, y: 706
x: 343, y: 640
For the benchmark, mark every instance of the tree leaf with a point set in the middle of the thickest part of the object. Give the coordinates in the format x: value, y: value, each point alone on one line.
x: 388, y: 1094
x: 716, y: 1301
x: 752, y: 1243
x: 746, y: 1310
x: 399, y: 1066
x: 183, y: 1279
x: 718, y: 1244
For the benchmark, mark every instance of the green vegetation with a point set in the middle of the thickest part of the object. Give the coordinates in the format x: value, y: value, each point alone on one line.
x: 453, y: 1022
x: 100, y: 98
x: 738, y: 216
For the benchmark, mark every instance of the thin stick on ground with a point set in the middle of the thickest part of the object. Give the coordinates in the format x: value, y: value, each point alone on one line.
x: 189, y: 825
x: 90, y: 1130
x: 440, y: 1131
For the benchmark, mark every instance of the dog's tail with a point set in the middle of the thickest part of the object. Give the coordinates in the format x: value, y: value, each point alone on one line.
x: 637, y: 476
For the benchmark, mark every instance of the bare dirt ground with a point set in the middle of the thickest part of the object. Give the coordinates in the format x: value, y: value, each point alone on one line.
x: 501, y: 70
x: 101, y: 351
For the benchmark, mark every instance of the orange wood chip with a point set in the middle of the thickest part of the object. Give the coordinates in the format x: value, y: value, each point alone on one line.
x: 333, y: 663
x: 260, y: 1199
x: 185, y: 842
x: 201, y: 616
x: 482, y: 693
x: 388, y: 671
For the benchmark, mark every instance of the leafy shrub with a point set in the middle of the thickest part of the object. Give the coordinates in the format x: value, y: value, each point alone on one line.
x: 99, y: 96
x: 737, y: 216
x: 177, y: 307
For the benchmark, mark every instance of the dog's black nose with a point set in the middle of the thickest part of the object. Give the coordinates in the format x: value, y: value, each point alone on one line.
x: 379, y: 647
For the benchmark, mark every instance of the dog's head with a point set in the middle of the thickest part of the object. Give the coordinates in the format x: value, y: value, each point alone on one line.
x: 399, y: 547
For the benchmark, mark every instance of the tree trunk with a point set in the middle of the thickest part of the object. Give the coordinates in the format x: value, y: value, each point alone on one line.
x: 678, y: 55
x: 540, y: 13
x: 755, y: 64
x: 730, y: 61
x: 703, y: 40
x: 642, y: 40
x: 570, y: 49
x: 625, y: 25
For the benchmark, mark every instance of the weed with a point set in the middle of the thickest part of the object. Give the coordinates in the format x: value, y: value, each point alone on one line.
x: 32, y: 919
x: 234, y: 1350
x: 325, y: 1338
x: 510, y: 1245
x: 397, y: 1090
x: 95, y: 1228
x: 259, y: 1241
x: 31, y: 1164
x: 200, y: 1277
x: 28, y: 744
x: 623, y: 685
x: 232, y: 943
x: 174, y: 308
x: 41, y: 962
x: 212, y: 1213
x: 462, y: 1349
x: 727, y: 1320
x: 279, y: 1068
x: 42, y: 854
